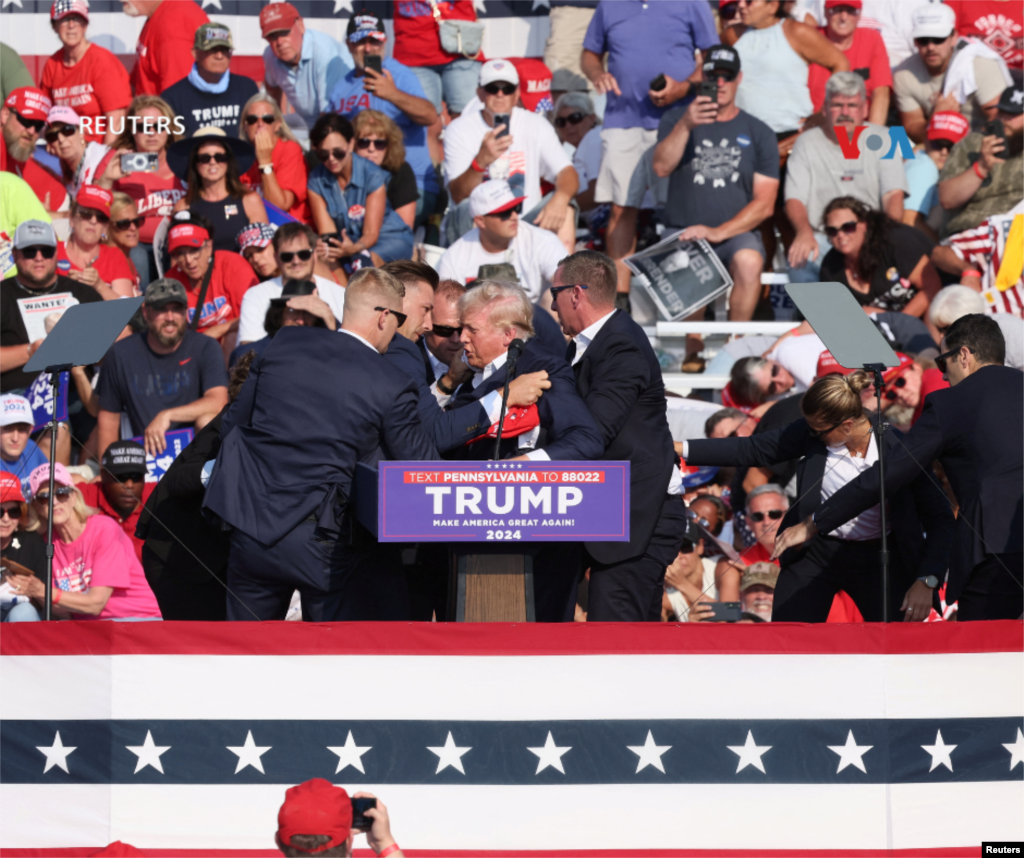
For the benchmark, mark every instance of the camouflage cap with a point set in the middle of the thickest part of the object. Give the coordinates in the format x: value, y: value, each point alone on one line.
x: 210, y: 36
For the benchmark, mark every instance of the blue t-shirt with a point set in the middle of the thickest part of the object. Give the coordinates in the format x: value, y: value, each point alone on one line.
x: 923, y: 183
x: 349, y: 98
x: 22, y: 467
x: 643, y: 40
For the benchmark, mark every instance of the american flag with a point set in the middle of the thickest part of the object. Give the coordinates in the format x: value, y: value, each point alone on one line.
x: 612, y: 740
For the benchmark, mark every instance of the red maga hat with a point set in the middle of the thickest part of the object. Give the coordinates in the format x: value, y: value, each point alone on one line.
x: 315, y: 807
x: 828, y: 365
x: 832, y: 4
x: 29, y: 102
x: 95, y: 197
x: 948, y: 125
x: 10, y: 488
x: 186, y: 235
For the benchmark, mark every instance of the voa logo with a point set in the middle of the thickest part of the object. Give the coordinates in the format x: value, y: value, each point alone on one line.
x: 851, y: 144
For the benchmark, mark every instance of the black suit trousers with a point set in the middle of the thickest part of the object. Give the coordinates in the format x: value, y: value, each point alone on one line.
x: 631, y: 590
x: 994, y: 590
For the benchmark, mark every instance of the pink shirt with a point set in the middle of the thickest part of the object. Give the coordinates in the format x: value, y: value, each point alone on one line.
x: 103, y: 556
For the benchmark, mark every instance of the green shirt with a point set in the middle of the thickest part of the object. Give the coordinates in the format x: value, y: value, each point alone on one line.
x: 999, y: 193
x: 13, y: 72
x: 18, y: 203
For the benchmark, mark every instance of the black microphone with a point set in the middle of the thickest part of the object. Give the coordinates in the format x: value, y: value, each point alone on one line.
x: 515, y: 349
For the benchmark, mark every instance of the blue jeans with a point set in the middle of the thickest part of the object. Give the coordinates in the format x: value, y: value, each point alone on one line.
x: 456, y: 82
x: 23, y: 612
x: 811, y: 272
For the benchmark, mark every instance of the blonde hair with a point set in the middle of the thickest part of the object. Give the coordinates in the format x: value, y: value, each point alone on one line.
x: 283, y: 131
x: 835, y: 398
x: 121, y: 199
x: 78, y: 506
x: 374, y: 284
x: 375, y: 122
x: 127, y: 139
x: 508, y: 304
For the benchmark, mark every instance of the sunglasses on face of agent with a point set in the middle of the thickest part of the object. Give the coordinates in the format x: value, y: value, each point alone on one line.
x: 400, y: 317
x: 556, y: 289
x: 447, y: 331
x: 942, y: 361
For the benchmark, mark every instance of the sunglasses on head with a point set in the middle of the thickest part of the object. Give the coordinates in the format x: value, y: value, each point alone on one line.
x: 505, y: 215
x: 942, y: 361
x: 500, y: 88
x: 446, y: 331
x: 124, y: 223
x: 929, y: 40
x: 572, y: 119
x: 337, y: 154
x: 32, y: 252
x: 401, y: 317
x: 850, y: 227
x: 62, y: 492
x: 36, y: 125
x: 367, y: 143
x: 266, y: 119
x: 773, y: 514
x: 304, y: 255
x: 64, y: 131
x: 88, y: 215
x: 12, y: 512
x: 207, y: 157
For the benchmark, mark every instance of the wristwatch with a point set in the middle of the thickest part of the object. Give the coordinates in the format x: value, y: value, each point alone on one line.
x: 445, y: 390
x: 930, y: 581
x: 267, y: 169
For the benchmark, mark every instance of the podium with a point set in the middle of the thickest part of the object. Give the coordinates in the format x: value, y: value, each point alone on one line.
x: 494, y: 517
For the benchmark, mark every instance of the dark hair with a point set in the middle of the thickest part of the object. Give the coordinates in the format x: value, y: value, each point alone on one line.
x: 745, y: 387
x: 330, y: 123
x: 290, y: 231
x: 719, y: 416
x: 232, y: 180
x: 594, y: 269
x: 303, y: 845
x: 408, y: 272
x: 239, y: 373
x: 274, y: 320
x: 982, y: 336
x: 876, y: 241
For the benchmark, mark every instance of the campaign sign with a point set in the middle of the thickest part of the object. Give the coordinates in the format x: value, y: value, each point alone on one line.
x: 503, y: 502
x: 40, y: 397
x: 156, y: 466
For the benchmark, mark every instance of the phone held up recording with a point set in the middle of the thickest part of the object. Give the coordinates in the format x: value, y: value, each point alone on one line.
x: 502, y: 119
x: 360, y: 821
x: 140, y: 162
x: 373, y: 62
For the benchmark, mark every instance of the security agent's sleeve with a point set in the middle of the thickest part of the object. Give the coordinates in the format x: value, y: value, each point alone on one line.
x: 402, y: 435
x: 757, y: 451
x: 624, y: 374
x: 937, y: 521
x: 572, y: 433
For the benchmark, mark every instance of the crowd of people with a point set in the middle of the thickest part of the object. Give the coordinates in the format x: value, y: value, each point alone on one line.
x: 874, y: 143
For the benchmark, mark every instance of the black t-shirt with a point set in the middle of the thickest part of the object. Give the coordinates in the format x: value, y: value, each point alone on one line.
x: 890, y: 288
x: 138, y: 382
x: 29, y: 550
x: 197, y: 108
x: 12, y: 325
x: 402, y: 188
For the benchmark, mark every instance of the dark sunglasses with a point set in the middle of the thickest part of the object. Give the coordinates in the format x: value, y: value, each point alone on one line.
x: 572, y: 119
x: 505, y: 215
x: 91, y: 214
x: 773, y: 387
x: 124, y: 223
x: 304, y: 255
x: 890, y: 394
x: 687, y: 547
x: 268, y: 119
x: 446, y: 331
x: 400, y: 316
x: 36, y: 125
x: 324, y: 154
x: 728, y: 75
x: 13, y: 512
x: 850, y: 227
x: 692, y: 516
x: 773, y: 514
x: 132, y: 478
x: 500, y: 88
x: 818, y: 433
x: 207, y: 157
x: 366, y: 143
x: 64, y: 131
x: 941, y: 145
x: 556, y: 289
x: 62, y: 492
x: 942, y: 360
x: 929, y: 40
x: 32, y: 252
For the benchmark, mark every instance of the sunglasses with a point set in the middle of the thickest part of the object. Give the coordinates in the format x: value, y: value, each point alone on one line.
x: 132, y: 478
x: 337, y: 154
x: 500, y: 88
x: 850, y: 227
x: 774, y: 386
x: 124, y: 223
x: 366, y: 143
x: 773, y: 514
x: 64, y: 131
x: 572, y: 119
x: 446, y: 331
x: 266, y: 118
x: 304, y: 255
x: 692, y: 516
x: 929, y: 40
x: 941, y: 145
x: 12, y: 512
x: 33, y: 252
x: 890, y: 393
x: 942, y: 360
x: 63, y: 493
x: 400, y: 316
x: 207, y: 157
x: 36, y: 125
x: 686, y: 547
x: 505, y: 215
x: 556, y: 289
x: 728, y: 75
x: 818, y: 433
x: 90, y: 215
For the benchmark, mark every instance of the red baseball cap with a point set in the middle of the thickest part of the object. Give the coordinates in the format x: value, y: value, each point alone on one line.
x: 117, y: 849
x: 828, y: 365
x: 29, y: 102
x: 832, y: 4
x: 95, y: 197
x: 315, y: 807
x: 277, y: 17
x: 948, y: 125
x: 186, y: 235
x: 10, y: 488
x: 534, y: 84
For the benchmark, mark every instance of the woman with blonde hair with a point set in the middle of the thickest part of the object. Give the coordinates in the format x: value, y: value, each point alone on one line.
x: 835, y: 443
x: 123, y: 232
x: 279, y: 172
x: 379, y: 139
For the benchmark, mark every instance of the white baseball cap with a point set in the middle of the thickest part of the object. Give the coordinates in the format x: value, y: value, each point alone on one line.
x: 492, y: 197
x: 498, y: 70
x: 936, y: 21
x: 15, y: 409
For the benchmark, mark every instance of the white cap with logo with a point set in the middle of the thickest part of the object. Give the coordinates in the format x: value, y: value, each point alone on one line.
x: 15, y: 409
x: 498, y: 70
x: 934, y: 21
x: 492, y: 197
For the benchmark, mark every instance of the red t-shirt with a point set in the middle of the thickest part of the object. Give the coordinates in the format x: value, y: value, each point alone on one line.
x: 38, y: 178
x: 95, y: 85
x: 417, y: 41
x: 931, y: 380
x: 867, y: 56
x: 163, y: 54
x: 998, y: 25
x: 111, y: 263
x: 94, y: 497
x: 232, y: 276
x: 290, y: 170
x: 154, y: 197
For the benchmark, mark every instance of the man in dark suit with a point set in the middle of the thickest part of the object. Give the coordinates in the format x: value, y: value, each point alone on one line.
x: 316, y: 402
x: 619, y: 378
x: 974, y: 429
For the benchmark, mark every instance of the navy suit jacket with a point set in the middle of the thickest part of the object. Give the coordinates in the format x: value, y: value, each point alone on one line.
x: 449, y: 429
x: 568, y: 432
x: 620, y: 381
x: 548, y: 331
x: 316, y: 402
x: 974, y: 429
x: 428, y: 367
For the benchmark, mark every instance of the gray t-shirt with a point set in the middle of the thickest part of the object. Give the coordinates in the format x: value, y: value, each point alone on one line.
x: 817, y: 173
x: 916, y: 89
x: 715, y: 178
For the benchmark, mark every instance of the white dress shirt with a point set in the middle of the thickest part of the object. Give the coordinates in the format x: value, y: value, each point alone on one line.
x: 492, y: 402
x: 436, y: 366
x: 364, y: 341
x: 841, y: 468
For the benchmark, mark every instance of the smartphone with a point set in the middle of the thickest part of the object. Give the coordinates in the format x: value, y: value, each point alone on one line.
x: 502, y: 119
x: 327, y: 236
x: 724, y: 612
x: 140, y: 162
x: 360, y: 821
x: 373, y: 62
x: 659, y: 83
x: 995, y: 127
x: 709, y: 89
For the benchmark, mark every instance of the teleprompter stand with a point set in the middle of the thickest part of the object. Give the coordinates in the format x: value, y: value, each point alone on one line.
x: 81, y: 337
x: 854, y: 341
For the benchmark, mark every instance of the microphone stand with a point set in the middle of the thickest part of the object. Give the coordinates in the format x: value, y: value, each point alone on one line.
x: 514, y: 350
x: 880, y: 426
x: 55, y: 372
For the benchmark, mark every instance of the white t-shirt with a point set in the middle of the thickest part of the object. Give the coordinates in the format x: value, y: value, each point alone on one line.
x: 535, y: 152
x: 587, y: 158
x: 257, y: 301
x: 799, y: 355
x: 534, y: 252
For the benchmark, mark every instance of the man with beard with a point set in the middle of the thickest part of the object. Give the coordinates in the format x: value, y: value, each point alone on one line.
x: 35, y: 258
x: 22, y: 120
x: 164, y: 378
